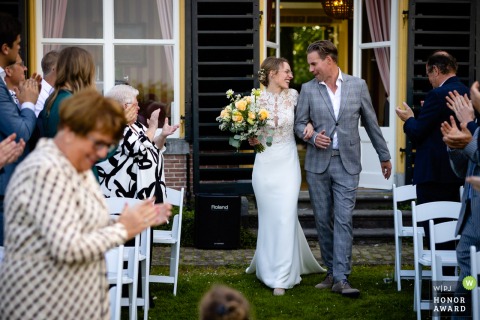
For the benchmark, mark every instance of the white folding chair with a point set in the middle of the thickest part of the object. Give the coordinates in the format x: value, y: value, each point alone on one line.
x: 400, y: 194
x: 172, y: 238
x: 475, y: 271
x: 134, y: 258
x: 422, y: 257
x: 114, y: 259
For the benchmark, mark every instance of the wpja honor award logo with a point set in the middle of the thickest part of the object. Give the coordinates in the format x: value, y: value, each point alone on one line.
x: 445, y: 301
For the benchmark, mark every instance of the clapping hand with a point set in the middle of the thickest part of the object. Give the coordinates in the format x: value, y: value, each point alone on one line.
x: 168, y: 129
x: 143, y: 215
x: 10, y: 150
x: 453, y: 137
x: 462, y: 106
x: 404, y: 114
x: 28, y: 91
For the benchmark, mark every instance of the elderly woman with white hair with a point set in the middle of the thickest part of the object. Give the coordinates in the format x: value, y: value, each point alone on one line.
x: 135, y: 170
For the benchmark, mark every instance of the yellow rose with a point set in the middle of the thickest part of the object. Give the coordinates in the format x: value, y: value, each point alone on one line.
x: 262, y: 114
x: 248, y: 99
x: 251, y: 115
x: 241, y: 105
x: 237, y: 117
x: 225, y: 114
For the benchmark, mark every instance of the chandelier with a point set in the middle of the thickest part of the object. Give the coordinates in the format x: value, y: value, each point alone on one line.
x: 338, y: 9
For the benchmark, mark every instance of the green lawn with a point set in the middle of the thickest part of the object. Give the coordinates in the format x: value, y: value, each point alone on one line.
x: 378, y: 300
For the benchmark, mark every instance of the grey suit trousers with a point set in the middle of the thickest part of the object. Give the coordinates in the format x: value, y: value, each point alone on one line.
x: 333, y: 194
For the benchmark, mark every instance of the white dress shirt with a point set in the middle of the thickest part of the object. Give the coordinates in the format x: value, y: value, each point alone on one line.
x: 47, y: 89
x: 335, y: 99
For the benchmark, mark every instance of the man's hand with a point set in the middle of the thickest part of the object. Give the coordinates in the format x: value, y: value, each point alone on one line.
x: 453, y: 137
x: 386, y: 168
x: 404, y: 114
x: 322, y: 141
x: 28, y: 91
x: 462, y: 106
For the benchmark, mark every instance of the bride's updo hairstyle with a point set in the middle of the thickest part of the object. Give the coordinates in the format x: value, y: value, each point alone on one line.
x: 268, y: 65
x: 224, y: 303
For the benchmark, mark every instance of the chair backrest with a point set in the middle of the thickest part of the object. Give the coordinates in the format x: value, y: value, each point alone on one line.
x: 442, y: 232
x: 475, y: 271
x: 429, y: 211
x: 435, y: 210
x: 1, y: 254
x: 400, y: 194
x: 175, y: 198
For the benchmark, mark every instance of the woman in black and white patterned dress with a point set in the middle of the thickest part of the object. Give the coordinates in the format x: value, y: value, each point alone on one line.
x: 136, y: 168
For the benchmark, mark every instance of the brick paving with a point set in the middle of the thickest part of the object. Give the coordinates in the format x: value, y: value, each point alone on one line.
x: 367, y: 253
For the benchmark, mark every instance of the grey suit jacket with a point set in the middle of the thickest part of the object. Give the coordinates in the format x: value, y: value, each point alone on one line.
x: 355, y: 104
x: 466, y: 162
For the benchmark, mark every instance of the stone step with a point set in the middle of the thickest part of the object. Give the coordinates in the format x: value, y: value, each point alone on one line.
x: 372, y: 217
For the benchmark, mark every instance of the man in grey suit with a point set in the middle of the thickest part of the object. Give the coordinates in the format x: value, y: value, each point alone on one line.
x: 463, y: 150
x: 334, y: 102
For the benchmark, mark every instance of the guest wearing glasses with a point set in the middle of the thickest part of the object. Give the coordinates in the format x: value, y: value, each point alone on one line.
x: 57, y: 226
x: 14, y: 76
x: 135, y: 170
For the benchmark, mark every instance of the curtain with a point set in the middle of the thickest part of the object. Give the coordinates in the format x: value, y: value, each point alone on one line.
x: 54, y: 12
x: 165, y: 16
x: 378, y: 15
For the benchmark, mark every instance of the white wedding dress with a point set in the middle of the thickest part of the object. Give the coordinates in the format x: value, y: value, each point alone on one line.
x: 282, y: 252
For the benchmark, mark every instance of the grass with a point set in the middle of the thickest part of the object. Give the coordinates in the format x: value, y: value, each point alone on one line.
x: 378, y: 300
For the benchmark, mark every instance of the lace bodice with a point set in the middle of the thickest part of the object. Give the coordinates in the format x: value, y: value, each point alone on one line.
x: 281, y: 108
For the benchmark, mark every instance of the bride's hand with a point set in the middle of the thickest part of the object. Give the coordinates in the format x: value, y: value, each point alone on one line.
x: 253, y: 141
x: 308, y: 131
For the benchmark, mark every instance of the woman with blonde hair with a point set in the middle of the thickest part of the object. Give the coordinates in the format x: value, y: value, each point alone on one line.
x: 282, y: 254
x: 75, y: 71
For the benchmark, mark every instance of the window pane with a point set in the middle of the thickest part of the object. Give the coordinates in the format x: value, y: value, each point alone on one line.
x: 377, y: 90
x: 150, y: 70
x: 140, y: 19
x: 73, y: 19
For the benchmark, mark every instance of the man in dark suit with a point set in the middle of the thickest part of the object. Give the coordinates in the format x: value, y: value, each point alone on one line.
x: 433, y: 175
x: 335, y: 102
x: 12, y: 119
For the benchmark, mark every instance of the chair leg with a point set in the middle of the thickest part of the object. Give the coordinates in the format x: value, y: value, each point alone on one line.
x: 174, y: 256
x: 418, y: 292
x: 398, y: 263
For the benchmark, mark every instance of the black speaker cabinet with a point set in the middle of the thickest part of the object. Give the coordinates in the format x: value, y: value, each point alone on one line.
x: 217, y: 221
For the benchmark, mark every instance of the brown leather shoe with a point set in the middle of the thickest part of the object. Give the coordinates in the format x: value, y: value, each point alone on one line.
x: 327, y: 283
x: 345, y: 289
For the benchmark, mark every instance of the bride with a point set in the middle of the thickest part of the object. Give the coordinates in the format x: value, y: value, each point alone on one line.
x: 282, y: 252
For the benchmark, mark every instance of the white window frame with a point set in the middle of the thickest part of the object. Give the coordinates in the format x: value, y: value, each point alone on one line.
x: 108, y: 43
x: 269, y: 44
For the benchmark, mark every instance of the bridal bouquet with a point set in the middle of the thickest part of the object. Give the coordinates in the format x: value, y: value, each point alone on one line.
x: 244, y: 118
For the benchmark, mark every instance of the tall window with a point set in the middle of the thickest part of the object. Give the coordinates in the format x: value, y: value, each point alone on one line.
x: 134, y: 42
